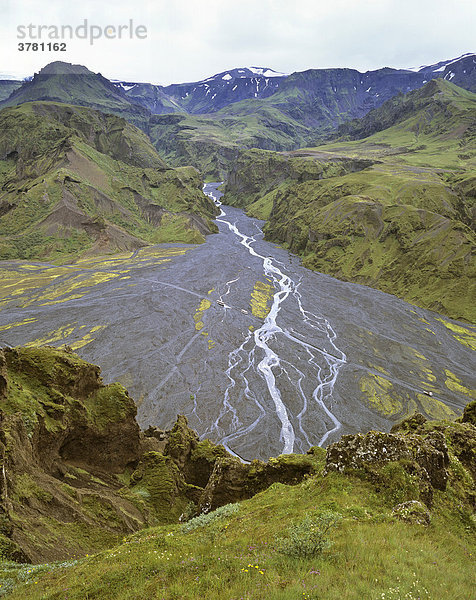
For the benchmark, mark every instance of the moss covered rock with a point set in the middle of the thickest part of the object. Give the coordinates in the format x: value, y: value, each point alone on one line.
x: 412, y: 512
x: 469, y: 414
x: 419, y: 458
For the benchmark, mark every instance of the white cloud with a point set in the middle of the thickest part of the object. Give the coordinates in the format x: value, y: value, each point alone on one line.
x: 190, y: 40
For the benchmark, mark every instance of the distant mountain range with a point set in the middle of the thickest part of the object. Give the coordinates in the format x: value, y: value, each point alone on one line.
x: 368, y: 90
x: 242, y: 108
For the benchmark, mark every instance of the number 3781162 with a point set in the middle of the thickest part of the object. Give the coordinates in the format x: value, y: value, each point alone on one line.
x: 41, y: 46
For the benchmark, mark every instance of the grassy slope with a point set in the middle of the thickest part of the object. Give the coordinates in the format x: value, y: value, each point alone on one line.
x: 235, y: 556
x: 402, y: 225
x: 211, y: 142
x: 76, y: 179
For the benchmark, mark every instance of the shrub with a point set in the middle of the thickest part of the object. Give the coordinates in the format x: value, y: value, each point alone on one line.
x: 207, y: 518
x: 309, y: 537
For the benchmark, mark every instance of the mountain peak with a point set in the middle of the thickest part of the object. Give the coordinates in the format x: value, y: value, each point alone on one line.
x: 438, y: 86
x: 245, y: 72
x: 267, y: 72
x: 63, y: 68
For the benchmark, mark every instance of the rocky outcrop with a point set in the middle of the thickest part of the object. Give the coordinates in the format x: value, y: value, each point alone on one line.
x: 221, y: 478
x: 422, y: 449
x: 469, y: 414
x: 232, y: 481
x: 79, y: 419
x: 425, y: 459
x: 65, y: 437
x: 3, y: 377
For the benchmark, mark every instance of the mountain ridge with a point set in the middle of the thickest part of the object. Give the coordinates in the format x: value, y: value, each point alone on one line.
x: 75, y: 180
x: 239, y: 108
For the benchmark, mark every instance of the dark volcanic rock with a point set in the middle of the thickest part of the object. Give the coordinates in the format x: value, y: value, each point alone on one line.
x: 232, y: 481
x: 355, y: 451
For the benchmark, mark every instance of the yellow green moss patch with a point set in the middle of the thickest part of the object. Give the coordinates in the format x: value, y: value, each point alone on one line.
x: 464, y: 335
x: 434, y: 408
x: 18, y: 323
x: 418, y: 354
x: 379, y: 368
x: 260, y: 297
x: 86, y: 339
x: 455, y: 384
x: 63, y: 333
x: 198, y: 316
x: 377, y: 392
x: 54, y: 284
x: 56, y: 335
x: 205, y: 304
x: 428, y: 375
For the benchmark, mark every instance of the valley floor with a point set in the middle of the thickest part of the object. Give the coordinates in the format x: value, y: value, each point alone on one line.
x: 181, y: 327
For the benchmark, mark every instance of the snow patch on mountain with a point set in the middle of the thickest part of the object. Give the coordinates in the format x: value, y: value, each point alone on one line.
x: 266, y: 72
x: 442, y: 65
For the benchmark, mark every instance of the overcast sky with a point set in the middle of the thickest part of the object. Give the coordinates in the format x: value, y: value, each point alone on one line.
x: 190, y: 40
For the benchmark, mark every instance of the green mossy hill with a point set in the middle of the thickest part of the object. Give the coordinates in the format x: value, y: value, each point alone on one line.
x: 76, y: 181
x: 431, y: 109
x: 381, y: 515
x: 211, y: 143
x: 75, y: 84
x: 393, y: 211
x: 78, y: 474
x: 258, y: 175
x: 48, y: 127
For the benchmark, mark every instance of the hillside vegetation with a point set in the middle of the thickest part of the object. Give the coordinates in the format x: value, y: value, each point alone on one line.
x: 75, y: 180
x: 381, y: 515
x: 394, y: 210
x: 212, y: 142
x: 206, y: 123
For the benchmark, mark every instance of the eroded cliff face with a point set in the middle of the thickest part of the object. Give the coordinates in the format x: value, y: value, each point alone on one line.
x: 65, y: 439
x: 76, y: 472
